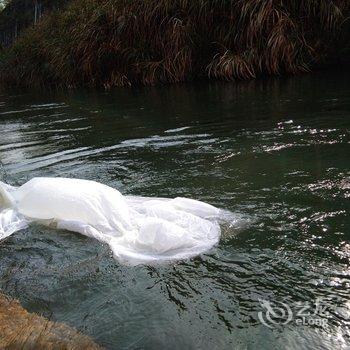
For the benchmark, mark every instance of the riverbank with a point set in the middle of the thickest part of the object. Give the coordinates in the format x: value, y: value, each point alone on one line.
x: 120, y: 43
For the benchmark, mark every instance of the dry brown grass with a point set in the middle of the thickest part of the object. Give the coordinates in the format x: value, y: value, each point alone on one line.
x: 122, y: 42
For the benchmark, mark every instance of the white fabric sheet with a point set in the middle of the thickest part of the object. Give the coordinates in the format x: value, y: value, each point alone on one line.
x: 137, y: 229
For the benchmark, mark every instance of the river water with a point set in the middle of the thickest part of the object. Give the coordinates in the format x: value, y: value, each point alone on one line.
x: 274, y: 152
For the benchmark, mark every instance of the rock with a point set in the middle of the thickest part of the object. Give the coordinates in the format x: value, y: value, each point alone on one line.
x: 20, y: 329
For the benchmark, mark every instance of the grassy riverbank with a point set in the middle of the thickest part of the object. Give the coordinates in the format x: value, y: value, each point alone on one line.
x: 106, y: 43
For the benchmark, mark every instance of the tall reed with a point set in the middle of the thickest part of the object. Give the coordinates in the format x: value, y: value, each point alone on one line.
x: 108, y: 43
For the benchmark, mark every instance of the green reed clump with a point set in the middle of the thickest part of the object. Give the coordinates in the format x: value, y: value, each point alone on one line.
x: 127, y: 42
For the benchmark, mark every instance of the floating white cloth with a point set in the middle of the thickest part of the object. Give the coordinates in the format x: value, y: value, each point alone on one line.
x: 137, y: 229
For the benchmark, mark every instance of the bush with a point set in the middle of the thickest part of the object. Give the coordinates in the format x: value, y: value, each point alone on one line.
x: 123, y: 42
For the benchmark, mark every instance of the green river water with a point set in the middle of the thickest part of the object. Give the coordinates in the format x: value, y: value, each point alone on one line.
x: 276, y: 153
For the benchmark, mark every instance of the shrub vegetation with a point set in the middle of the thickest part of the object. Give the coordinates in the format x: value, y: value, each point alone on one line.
x: 107, y: 43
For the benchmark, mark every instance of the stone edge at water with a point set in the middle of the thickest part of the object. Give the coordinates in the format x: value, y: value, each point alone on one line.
x: 20, y: 329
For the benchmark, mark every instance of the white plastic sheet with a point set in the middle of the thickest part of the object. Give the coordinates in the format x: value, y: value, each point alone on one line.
x: 137, y: 229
